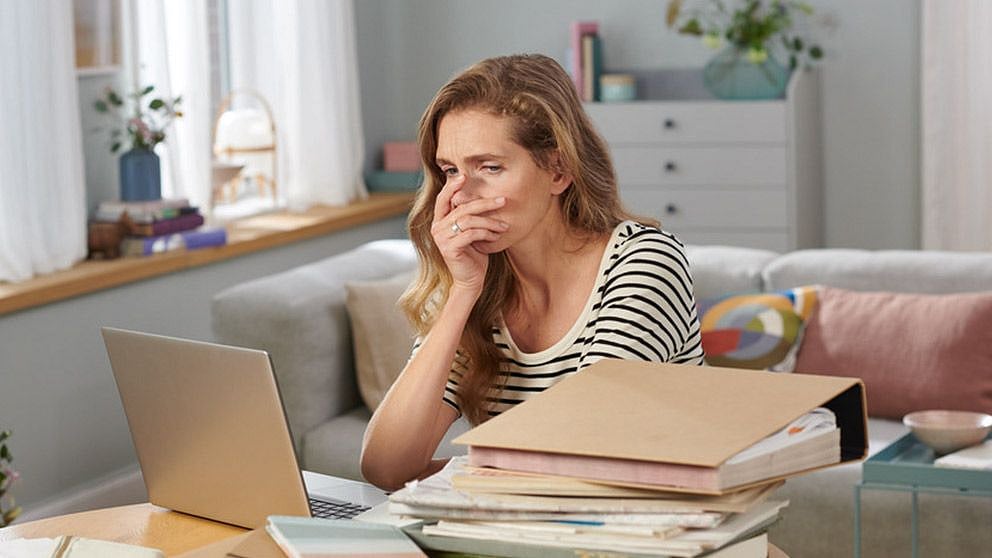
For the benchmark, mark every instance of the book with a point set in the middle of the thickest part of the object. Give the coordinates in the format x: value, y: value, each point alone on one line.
x: 182, y: 222
x: 305, y: 537
x: 660, y: 415
x: 810, y: 441
x: 973, y: 457
x: 71, y: 546
x: 189, y: 240
x: 588, y: 73
x: 576, y: 32
x: 141, y: 211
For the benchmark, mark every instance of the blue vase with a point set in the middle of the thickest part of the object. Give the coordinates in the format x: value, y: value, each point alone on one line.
x: 141, y: 175
x: 730, y: 75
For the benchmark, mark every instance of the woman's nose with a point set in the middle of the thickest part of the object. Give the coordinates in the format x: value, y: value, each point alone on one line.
x: 466, y: 194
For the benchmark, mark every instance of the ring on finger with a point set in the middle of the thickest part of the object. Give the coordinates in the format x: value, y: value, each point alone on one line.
x: 455, y: 228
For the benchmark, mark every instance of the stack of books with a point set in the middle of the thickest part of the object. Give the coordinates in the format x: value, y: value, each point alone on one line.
x: 639, y: 459
x: 159, y: 226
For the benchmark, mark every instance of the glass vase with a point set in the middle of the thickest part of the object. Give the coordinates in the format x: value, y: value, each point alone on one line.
x: 141, y: 175
x: 730, y: 75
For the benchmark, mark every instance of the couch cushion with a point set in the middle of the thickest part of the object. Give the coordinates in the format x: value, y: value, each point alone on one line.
x: 718, y: 270
x: 335, y: 447
x: 758, y: 331
x: 380, y: 333
x: 913, y: 351
x: 885, y: 270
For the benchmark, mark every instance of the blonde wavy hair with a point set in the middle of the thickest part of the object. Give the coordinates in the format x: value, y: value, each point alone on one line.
x: 549, y: 122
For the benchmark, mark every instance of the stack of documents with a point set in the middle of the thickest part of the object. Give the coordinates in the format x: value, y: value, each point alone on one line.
x: 639, y: 458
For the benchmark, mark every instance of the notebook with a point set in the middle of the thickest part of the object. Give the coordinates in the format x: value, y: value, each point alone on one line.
x: 211, y: 434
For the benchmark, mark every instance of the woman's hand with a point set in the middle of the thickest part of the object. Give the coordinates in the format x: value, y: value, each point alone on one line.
x: 456, y: 228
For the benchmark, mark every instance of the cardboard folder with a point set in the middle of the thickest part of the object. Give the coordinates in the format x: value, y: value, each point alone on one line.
x: 669, y: 413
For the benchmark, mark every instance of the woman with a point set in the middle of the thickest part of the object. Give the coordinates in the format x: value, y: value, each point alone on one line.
x: 530, y: 267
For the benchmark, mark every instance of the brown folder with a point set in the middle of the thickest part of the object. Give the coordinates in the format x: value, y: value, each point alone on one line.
x: 669, y: 413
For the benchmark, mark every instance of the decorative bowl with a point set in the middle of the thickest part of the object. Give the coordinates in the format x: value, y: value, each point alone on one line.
x: 947, y: 431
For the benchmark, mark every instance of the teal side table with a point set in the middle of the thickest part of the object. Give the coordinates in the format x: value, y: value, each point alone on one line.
x: 906, y: 465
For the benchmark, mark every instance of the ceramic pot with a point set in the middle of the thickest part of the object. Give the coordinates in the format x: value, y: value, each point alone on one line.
x: 141, y: 175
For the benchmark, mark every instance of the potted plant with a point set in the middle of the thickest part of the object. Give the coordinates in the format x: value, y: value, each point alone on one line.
x: 9, y: 510
x: 753, y: 35
x: 141, y: 124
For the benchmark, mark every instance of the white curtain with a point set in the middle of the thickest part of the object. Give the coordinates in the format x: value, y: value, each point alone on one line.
x: 173, y: 54
x: 957, y: 125
x: 300, y: 55
x: 42, y: 182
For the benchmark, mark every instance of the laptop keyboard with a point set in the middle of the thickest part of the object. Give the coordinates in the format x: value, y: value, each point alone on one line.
x: 335, y: 510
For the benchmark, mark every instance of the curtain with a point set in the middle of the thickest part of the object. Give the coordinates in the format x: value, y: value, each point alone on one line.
x: 300, y: 55
x: 173, y: 54
x: 957, y: 125
x: 42, y: 182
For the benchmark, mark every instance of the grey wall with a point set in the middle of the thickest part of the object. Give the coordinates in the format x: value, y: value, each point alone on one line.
x: 870, y: 84
x: 58, y: 394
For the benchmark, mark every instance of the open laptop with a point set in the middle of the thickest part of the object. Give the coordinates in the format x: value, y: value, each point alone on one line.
x: 211, y: 435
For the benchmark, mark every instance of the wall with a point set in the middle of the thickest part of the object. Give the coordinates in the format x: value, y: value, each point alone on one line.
x: 870, y: 85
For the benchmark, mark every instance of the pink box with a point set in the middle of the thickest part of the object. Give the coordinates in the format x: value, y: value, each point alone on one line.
x: 400, y: 156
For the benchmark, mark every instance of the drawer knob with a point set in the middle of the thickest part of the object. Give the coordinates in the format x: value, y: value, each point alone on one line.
x: 670, y: 166
x: 671, y: 209
x: 669, y: 123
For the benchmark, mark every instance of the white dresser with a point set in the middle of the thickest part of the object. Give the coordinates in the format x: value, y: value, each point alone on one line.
x: 738, y: 173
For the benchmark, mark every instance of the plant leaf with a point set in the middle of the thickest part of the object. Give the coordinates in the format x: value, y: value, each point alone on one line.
x: 815, y: 52
x: 114, y: 99
x: 114, y: 148
x: 147, y: 90
x: 156, y: 104
x: 692, y: 27
x: 101, y: 106
x: 672, y: 14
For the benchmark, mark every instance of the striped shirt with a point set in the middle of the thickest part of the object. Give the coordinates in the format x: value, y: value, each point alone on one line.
x: 641, y: 308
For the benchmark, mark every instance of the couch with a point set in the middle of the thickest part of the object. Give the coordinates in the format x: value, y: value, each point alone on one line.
x: 300, y: 317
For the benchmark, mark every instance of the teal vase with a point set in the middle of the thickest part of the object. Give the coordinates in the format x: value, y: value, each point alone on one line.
x: 730, y: 75
x: 141, y: 175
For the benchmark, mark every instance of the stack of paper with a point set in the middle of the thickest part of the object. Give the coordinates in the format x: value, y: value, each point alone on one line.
x: 641, y: 458
x: 636, y: 522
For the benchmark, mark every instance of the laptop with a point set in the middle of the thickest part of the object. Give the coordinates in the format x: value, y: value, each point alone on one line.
x: 211, y: 434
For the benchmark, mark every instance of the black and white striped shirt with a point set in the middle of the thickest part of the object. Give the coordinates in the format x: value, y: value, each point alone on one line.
x: 641, y: 308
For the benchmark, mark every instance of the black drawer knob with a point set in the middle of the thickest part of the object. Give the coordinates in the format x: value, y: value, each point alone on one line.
x: 669, y: 123
x: 670, y: 166
x: 671, y: 209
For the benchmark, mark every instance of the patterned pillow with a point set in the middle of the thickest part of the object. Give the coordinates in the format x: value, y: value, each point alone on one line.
x: 758, y: 331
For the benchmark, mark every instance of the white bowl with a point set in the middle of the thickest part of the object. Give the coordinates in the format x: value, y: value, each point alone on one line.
x: 947, y: 431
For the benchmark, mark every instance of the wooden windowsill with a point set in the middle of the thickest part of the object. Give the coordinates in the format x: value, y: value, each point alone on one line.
x: 244, y: 236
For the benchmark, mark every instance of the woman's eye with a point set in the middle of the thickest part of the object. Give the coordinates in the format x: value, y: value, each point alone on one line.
x: 450, y: 171
x: 492, y: 168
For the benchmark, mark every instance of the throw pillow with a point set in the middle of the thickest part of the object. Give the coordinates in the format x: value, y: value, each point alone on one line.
x: 381, y: 335
x: 758, y: 331
x: 913, y: 351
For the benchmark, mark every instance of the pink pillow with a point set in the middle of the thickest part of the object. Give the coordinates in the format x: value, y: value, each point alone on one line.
x: 913, y: 351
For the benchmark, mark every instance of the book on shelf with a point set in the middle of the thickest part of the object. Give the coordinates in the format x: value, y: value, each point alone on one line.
x: 179, y: 223
x: 703, y: 430
x: 577, y: 31
x: 306, y: 537
x: 189, y: 240
x: 142, y: 211
x: 592, y: 67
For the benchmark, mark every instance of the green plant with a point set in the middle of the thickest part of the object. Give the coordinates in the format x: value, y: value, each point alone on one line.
x: 142, y: 121
x: 756, y: 26
x: 9, y: 510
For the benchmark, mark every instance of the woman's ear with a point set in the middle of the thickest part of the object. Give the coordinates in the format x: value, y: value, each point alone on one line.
x: 560, y: 178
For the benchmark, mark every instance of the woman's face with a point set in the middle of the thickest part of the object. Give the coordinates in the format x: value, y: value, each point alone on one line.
x: 478, y: 145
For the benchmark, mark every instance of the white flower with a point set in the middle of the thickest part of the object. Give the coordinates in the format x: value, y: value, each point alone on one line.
x: 713, y: 40
x: 757, y: 55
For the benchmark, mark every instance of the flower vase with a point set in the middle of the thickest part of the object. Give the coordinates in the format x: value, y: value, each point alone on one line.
x: 141, y: 175
x: 731, y: 75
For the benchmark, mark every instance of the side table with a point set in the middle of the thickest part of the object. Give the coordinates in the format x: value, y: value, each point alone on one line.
x: 906, y: 465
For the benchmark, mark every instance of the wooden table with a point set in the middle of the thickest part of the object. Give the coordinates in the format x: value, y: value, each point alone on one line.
x: 141, y: 524
x: 147, y: 525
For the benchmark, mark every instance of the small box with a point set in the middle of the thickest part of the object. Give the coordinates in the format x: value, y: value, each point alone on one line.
x: 617, y: 87
x: 400, y: 156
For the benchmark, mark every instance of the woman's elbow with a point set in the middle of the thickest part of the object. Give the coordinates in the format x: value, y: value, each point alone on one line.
x: 378, y: 471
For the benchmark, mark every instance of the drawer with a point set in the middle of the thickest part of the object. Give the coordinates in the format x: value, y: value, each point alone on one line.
x: 700, y: 166
x: 690, y: 122
x: 694, y: 209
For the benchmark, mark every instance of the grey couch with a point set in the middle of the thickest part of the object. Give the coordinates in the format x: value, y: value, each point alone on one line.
x: 299, y: 316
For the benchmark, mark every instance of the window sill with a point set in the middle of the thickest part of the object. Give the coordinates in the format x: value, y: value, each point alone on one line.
x: 245, y: 236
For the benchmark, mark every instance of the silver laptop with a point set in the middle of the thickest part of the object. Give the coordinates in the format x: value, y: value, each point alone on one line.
x: 211, y: 434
